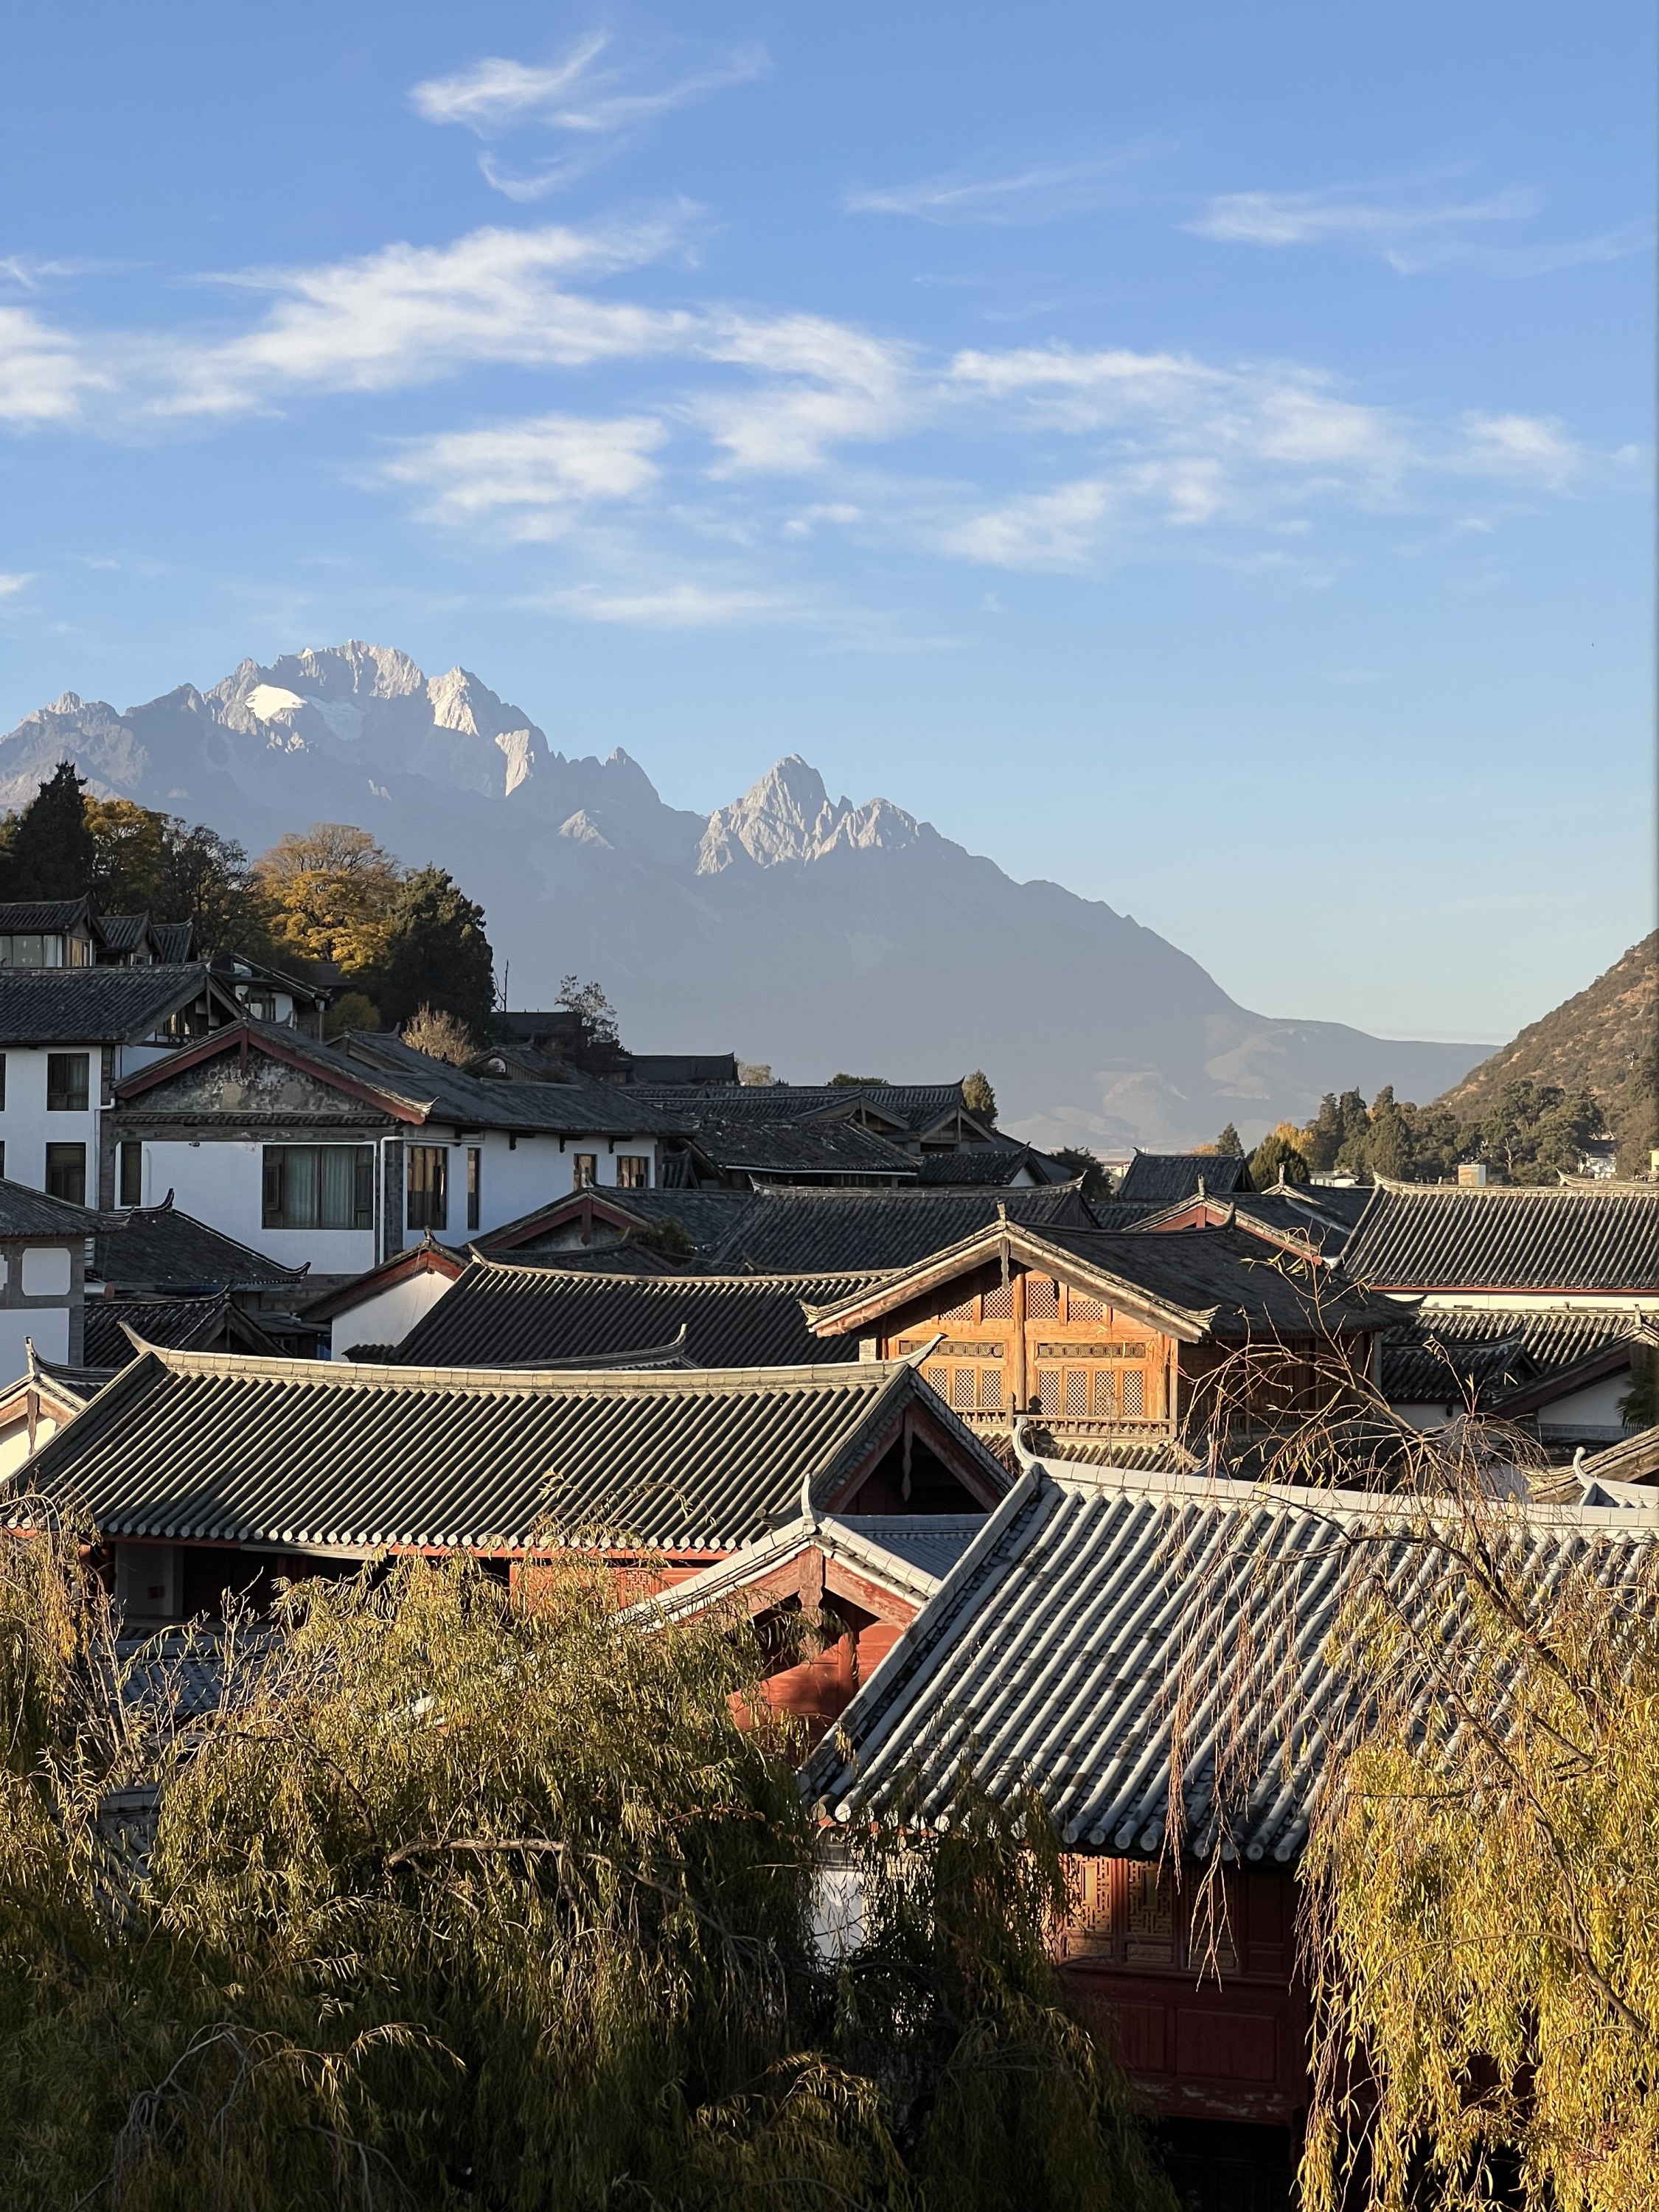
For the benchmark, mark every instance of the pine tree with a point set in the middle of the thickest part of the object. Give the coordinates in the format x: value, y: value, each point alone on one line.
x: 1230, y: 1144
x: 437, y: 955
x: 1277, y: 1159
x: 1322, y: 1140
x: 51, y: 854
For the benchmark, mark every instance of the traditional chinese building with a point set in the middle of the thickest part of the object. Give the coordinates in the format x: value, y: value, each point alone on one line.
x: 1111, y: 1333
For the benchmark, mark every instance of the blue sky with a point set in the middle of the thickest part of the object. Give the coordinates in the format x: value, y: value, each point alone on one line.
x: 1201, y: 455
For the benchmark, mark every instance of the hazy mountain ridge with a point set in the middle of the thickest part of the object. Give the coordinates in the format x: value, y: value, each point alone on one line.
x: 811, y: 933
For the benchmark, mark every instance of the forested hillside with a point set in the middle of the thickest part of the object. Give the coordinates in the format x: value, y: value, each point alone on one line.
x: 1603, y: 1041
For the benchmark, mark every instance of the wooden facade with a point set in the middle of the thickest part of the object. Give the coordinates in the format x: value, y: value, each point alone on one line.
x: 1015, y: 1340
x: 1014, y: 1321
x: 1206, y: 2015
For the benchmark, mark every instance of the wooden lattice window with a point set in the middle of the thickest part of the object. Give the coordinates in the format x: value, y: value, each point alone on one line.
x: 1079, y: 1307
x: 1077, y: 1392
x: 1041, y: 1298
x: 998, y: 1302
x: 1048, y: 1390
x: 1105, y: 1404
x: 1134, y: 1394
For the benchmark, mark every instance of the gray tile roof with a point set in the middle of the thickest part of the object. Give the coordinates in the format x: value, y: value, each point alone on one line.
x: 122, y: 933
x: 152, y: 1248
x: 1437, y: 1356
x: 184, y: 1324
x: 918, y: 1106
x: 1050, y: 1655
x: 749, y: 1145
x: 498, y: 1314
x: 580, y: 1108
x: 1160, y: 1178
x: 173, y: 940
x: 213, y: 1447
x: 908, y: 1554
x: 28, y: 1212
x: 989, y: 1166
x: 1436, y: 1238
x: 39, y: 917
x: 1242, y: 1285
x: 854, y: 1232
x: 931, y: 1541
x: 707, y: 1217
x: 92, y: 1005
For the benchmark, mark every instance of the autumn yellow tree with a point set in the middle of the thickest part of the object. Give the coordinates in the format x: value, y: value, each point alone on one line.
x: 332, y: 889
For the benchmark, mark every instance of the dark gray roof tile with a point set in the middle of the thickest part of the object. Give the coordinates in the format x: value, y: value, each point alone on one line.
x: 497, y: 1315
x: 1051, y: 1651
x: 856, y: 1231
x: 208, y: 1447
x: 1160, y: 1178
x: 1436, y: 1237
x: 149, y: 1248
x: 92, y: 1005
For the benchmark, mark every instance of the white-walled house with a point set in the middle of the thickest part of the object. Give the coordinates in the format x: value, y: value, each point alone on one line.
x: 44, y: 1246
x: 68, y: 1036
x: 334, y: 1158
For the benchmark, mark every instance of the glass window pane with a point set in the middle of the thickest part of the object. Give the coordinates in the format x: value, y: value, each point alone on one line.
x: 67, y: 1082
x: 66, y: 1172
x: 337, y: 1194
x: 300, y: 1188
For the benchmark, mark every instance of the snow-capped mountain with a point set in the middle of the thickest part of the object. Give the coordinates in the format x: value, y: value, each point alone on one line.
x: 794, y: 928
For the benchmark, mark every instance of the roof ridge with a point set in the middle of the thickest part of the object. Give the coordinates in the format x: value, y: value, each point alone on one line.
x: 343, y: 1374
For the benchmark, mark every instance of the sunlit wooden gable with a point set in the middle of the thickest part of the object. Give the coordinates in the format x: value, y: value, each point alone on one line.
x: 1096, y: 1329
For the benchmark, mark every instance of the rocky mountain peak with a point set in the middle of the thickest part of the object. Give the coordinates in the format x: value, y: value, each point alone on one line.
x: 788, y: 815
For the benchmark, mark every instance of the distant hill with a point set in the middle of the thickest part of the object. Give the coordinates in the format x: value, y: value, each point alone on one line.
x: 1605, y: 1040
x: 788, y: 926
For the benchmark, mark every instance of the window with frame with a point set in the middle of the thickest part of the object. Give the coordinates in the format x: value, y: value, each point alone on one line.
x: 319, y: 1186
x: 131, y: 1185
x: 633, y: 1171
x: 585, y: 1173
x: 474, y: 1184
x: 68, y: 1082
x: 66, y: 1172
x: 426, y: 1170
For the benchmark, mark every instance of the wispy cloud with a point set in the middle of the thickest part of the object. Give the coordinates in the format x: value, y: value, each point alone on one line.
x: 1034, y: 195
x: 407, y: 314
x: 673, y: 606
x: 601, y: 107
x: 16, y: 581
x: 1413, y: 234
x: 45, y: 375
x: 1529, y: 448
x: 1128, y: 449
x: 530, y: 478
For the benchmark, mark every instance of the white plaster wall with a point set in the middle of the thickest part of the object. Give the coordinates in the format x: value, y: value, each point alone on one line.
x: 1593, y: 1409
x: 221, y: 1181
x: 14, y: 1441
x: 26, y: 1128
x: 47, y: 1325
x: 388, y: 1316
x: 515, y: 1179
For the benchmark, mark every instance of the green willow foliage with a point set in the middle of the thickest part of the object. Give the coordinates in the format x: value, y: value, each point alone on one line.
x: 458, y: 1901
x: 1483, y: 1902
